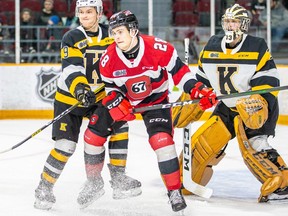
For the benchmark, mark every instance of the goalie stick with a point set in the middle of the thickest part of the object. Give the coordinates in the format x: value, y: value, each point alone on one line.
x: 50, y: 122
x: 188, y: 182
x: 220, y: 97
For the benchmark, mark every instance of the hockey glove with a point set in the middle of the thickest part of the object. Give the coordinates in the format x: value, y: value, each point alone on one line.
x: 207, y: 96
x: 119, y: 107
x: 84, y: 94
x: 253, y: 111
x: 184, y: 115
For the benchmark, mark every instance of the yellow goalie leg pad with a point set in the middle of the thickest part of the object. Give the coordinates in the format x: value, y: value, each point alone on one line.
x: 183, y: 115
x: 207, y: 143
x: 272, y: 175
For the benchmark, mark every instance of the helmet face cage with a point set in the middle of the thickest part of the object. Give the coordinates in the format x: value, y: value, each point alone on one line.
x: 123, y: 18
x: 237, y: 12
x: 89, y: 3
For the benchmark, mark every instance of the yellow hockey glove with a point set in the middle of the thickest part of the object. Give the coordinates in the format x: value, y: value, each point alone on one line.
x: 183, y: 115
x: 253, y: 111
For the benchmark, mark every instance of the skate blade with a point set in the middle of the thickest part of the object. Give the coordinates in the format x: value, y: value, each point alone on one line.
x: 97, y: 196
x: 272, y: 198
x: 278, y: 201
x: 43, y: 205
x: 120, y: 194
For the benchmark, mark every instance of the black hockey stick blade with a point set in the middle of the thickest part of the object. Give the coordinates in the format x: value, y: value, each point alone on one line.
x: 49, y: 123
x: 221, y: 97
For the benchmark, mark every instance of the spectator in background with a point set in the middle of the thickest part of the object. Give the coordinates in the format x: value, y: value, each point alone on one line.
x: 257, y: 6
x: 46, y: 13
x: 4, y: 35
x: 71, y: 20
x: 1, y: 29
x: 1, y: 33
x: 104, y: 19
x: 53, y: 33
x: 279, y: 23
x: 285, y: 3
x: 27, y: 33
x: 105, y: 15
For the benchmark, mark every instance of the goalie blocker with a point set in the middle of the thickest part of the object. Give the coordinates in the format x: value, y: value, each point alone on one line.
x: 184, y: 115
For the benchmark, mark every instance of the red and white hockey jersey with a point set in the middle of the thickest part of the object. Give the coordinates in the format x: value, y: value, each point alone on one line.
x: 144, y: 80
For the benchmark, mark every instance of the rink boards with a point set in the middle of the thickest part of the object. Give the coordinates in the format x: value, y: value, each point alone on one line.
x: 27, y: 91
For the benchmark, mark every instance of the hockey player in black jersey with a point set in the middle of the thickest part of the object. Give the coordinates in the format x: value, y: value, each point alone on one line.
x: 81, y: 50
x: 231, y: 63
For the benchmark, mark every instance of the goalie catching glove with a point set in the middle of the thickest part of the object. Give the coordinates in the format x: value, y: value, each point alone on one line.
x: 84, y: 94
x: 253, y: 111
x: 119, y: 107
x: 207, y: 96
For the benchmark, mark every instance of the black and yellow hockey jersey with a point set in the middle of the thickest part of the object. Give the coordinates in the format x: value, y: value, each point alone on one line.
x: 248, y: 66
x: 80, y: 55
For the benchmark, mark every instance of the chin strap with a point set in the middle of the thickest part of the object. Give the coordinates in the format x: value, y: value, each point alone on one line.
x: 132, y: 41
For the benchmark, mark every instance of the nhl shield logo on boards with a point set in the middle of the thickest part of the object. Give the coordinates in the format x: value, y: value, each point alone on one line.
x: 47, y: 83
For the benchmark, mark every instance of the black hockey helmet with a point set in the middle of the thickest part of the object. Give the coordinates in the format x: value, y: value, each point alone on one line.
x: 125, y: 18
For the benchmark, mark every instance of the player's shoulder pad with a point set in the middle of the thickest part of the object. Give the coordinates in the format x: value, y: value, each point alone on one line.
x: 111, y: 48
x: 72, y: 36
x: 110, y: 51
x: 214, y: 41
x: 255, y: 44
x: 105, y: 30
x: 150, y: 42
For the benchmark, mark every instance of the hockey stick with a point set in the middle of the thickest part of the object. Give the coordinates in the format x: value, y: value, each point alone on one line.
x: 188, y: 182
x: 221, y: 97
x: 50, y: 122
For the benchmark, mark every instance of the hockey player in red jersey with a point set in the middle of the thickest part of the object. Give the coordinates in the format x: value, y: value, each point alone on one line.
x: 135, y: 71
x: 80, y: 52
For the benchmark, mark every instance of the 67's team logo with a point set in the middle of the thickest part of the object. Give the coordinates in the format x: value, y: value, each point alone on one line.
x: 47, y: 83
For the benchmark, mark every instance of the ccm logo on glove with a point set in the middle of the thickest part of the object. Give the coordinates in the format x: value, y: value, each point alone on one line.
x: 116, y: 102
x: 118, y: 106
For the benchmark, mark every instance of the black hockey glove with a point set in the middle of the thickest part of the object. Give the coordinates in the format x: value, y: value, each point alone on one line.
x: 84, y: 94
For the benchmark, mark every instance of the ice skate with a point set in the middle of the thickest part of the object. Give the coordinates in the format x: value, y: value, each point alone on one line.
x: 92, y: 190
x: 176, y: 200
x: 44, y: 196
x: 278, y: 195
x: 123, y: 186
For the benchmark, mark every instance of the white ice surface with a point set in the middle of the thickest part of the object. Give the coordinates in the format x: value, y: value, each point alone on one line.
x: 235, y: 189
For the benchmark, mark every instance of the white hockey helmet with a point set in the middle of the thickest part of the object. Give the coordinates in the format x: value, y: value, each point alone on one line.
x: 236, y: 13
x: 89, y: 3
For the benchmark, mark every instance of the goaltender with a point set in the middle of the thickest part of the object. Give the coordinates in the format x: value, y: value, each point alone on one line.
x: 231, y: 63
